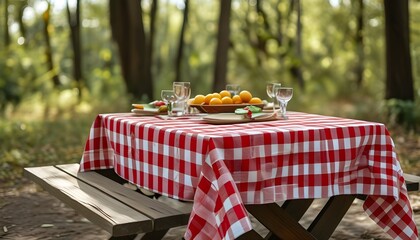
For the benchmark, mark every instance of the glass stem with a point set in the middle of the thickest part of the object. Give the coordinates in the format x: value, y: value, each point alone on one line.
x: 283, y: 109
x: 170, y: 108
x: 186, y: 107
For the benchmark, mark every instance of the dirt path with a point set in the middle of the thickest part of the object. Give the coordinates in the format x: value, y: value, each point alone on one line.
x: 28, y: 213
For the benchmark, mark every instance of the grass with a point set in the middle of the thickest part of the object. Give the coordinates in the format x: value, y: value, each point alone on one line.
x: 36, y: 143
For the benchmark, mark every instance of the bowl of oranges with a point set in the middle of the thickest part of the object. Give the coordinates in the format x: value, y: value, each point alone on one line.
x: 224, y: 102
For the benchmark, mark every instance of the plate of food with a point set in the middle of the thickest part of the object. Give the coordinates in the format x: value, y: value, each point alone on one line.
x: 150, y: 109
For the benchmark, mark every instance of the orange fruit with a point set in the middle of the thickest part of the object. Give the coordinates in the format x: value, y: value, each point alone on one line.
x: 236, y: 99
x: 227, y: 100
x: 255, y: 100
x: 245, y: 96
x: 217, y: 95
x: 215, y: 101
x: 225, y: 93
x: 137, y: 106
x: 208, y: 98
x: 199, y: 99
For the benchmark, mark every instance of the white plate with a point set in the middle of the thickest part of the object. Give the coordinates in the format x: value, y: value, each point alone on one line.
x: 230, y: 118
x: 147, y: 112
x: 223, y: 108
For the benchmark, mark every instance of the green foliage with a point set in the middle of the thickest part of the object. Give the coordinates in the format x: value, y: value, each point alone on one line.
x: 262, y: 50
x: 10, y: 92
x: 405, y: 113
x: 37, y: 143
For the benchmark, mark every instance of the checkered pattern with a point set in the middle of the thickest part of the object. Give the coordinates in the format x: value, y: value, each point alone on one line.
x: 223, y: 167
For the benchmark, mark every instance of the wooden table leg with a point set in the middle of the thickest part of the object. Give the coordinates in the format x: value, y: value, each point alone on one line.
x: 330, y: 216
x: 283, y: 222
x: 297, y: 208
x: 278, y: 221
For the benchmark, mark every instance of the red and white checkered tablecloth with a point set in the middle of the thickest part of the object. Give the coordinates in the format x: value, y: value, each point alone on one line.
x: 223, y: 167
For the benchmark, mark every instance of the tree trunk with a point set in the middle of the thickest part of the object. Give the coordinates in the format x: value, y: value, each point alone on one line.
x: 6, y: 24
x: 145, y: 63
x: 359, y: 40
x: 153, y: 13
x: 279, y: 34
x: 399, y: 79
x: 48, y: 49
x: 263, y: 15
x: 129, y: 34
x: 296, y: 68
x: 178, y: 60
x: 74, y: 23
x: 221, y: 62
x: 22, y: 28
x: 262, y: 37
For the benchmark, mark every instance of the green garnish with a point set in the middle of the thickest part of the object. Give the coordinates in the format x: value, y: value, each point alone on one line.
x: 250, y: 108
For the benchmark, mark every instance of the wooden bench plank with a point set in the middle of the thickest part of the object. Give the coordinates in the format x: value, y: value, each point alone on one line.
x: 412, y: 182
x: 101, y: 209
x: 164, y: 216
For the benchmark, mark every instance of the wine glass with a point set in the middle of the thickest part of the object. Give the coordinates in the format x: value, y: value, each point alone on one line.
x: 271, y: 92
x: 283, y: 95
x: 182, y: 92
x: 168, y: 96
x: 233, y: 89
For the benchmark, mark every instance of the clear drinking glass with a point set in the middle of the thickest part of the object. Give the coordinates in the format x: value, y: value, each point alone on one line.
x: 271, y: 92
x: 168, y: 96
x: 234, y: 89
x: 283, y: 95
x: 182, y: 92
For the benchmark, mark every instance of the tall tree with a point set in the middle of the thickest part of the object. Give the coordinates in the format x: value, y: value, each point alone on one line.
x: 296, y: 67
x: 128, y: 32
x: 46, y: 16
x: 6, y: 24
x: 399, y: 79
x: 223, y: 41
x: 279, y: 35
x: 178, y: 60
x: 73, y: 18
x: 153, y: 16
x: 359, y: 41
x: 21, y: 8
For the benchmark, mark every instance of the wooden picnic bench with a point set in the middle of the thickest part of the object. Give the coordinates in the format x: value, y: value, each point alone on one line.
x: 100, y: 197
x: 412, y: 182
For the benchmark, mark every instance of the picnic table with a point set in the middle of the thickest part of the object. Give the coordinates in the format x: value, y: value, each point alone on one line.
x: 228, y: 170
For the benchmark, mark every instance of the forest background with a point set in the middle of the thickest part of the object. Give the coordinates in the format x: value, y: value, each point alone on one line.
x: 63, y: 62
